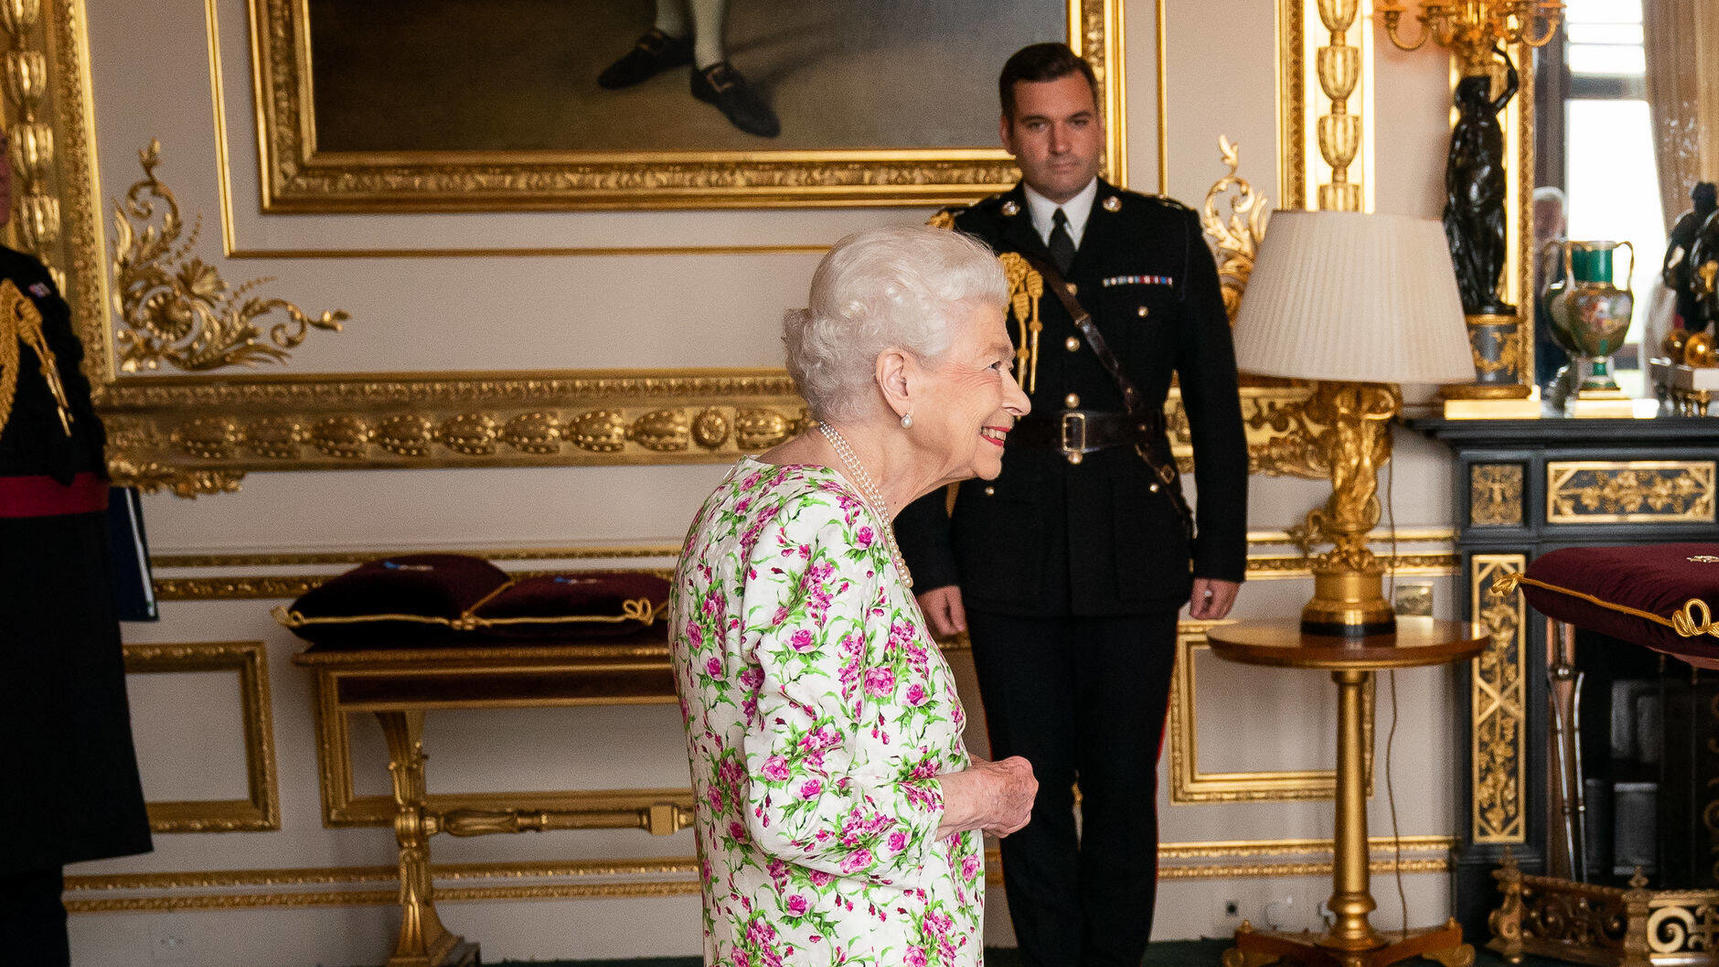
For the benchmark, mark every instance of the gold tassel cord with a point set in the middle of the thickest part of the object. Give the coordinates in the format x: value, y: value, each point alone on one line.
x: 1694, y: 619
x: 21, y: 323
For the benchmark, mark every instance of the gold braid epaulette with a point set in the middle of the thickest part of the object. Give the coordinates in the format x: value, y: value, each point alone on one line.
x: 1026, y: 287
x: 21, y: 323
x: 1694, y: 619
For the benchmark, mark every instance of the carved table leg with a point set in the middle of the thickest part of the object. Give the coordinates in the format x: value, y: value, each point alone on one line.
x: 423, y: 941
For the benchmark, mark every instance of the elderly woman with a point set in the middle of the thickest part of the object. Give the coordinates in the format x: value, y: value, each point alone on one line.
x: 839, y: 815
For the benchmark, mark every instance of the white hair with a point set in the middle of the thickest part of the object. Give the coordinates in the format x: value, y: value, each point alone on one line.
x: 900, y: 286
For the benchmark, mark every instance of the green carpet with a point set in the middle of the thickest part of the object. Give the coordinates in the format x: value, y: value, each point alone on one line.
x: 1167, y: 953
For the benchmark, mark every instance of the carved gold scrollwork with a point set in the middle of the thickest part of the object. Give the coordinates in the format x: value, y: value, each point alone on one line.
x: 1239, y: 235
x: 1497, y: 702
x: 177, y: 307
x: 1640, y: 490
x: 1284, y: 436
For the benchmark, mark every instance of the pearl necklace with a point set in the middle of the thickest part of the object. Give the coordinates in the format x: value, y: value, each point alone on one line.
x: 869, y: 492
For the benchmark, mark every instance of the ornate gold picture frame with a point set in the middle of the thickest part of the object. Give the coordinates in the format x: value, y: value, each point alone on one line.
x: 301, y: 175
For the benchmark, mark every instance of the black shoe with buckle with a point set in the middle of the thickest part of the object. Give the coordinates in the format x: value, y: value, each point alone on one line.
x: 720, y: 84
x: 654, y: 53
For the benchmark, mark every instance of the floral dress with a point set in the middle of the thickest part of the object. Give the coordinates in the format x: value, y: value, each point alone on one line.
x: 818, y: 712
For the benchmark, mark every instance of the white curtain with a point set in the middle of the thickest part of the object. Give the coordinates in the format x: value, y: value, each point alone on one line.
x: 1682, y: 45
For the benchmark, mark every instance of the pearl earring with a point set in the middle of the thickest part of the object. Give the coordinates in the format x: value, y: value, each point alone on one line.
x: 907, y: 421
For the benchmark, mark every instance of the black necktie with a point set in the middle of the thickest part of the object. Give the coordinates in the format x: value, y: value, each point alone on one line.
x: 1061, y: 242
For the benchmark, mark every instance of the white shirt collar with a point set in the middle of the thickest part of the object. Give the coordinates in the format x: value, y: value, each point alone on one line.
x: 1076, y: 210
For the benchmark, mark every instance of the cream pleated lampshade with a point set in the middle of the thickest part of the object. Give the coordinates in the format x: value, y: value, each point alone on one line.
x: 1352, y: 297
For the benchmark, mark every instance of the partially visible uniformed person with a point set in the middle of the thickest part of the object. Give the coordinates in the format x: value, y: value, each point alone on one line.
x: 1068, y: 571
x: 69, y: 787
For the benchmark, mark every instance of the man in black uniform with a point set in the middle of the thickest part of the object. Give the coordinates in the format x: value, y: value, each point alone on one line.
x: 69, y: 787
x: 1068, y: 571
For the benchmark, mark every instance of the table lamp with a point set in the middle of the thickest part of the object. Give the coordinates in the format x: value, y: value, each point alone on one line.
x: 1358, y: 303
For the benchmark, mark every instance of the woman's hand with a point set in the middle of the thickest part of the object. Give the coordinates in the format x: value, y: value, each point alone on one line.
x: 996, y: 797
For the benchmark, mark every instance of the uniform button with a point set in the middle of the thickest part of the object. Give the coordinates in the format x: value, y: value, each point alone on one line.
x: 1144, y: 312
x: 1071, y: 344
x: 1152, y: 487
x: 990, y: 491
x: 1073, y: 289
x: 1071, y: 401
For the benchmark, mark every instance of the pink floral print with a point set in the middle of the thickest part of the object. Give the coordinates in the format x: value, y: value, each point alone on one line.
x: 818, y: 713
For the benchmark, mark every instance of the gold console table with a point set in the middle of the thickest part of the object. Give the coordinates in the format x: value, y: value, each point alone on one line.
x: 399, y: 685
x: 1351, y: 940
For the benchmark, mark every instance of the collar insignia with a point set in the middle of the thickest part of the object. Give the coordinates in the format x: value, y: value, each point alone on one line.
x: 1111, y: 203
x: 1010, y: 208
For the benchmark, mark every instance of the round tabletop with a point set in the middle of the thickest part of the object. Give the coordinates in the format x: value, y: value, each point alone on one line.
x: 1417, y: 641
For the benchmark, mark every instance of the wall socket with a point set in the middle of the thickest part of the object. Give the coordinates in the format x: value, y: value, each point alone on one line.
x: 1413, y: 599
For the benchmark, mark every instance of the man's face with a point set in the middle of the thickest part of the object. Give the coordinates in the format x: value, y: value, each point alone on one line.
x: 1056, y: 135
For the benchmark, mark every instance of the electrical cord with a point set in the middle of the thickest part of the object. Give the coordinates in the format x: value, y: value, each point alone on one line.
x: 1391, y: 736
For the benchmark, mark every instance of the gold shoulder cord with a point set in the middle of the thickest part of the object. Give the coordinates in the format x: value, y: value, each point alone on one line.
x: 21, y: 323
x: 1026, y: 287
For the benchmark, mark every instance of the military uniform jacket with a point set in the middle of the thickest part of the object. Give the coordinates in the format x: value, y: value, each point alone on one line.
x: 1048, y: 537
x: 67, y: 768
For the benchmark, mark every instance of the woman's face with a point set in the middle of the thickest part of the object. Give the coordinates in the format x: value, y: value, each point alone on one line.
x: 968, y: 400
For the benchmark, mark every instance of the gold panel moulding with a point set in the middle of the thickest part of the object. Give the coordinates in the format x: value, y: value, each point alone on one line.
x: 1495, y: 494
x: 1498, y: 728
x: 260, y: 810
x: 1597, y: 491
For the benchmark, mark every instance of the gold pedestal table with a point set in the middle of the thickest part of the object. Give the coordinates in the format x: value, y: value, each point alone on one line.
x: 1350, y: 941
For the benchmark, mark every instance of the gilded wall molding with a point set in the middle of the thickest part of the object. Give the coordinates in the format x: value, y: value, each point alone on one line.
x: 1189, y: 784
x: 35, y: 221
x: 261, y: 810
x: 1498, y: 726
x: 1323, y: 62
x: 296, y: 177
x: 176, y: 307
x: 269, y: 587
x: 669, y: 876
x: 194, y: 435
x: 171, y: 432
x: 1629, y: 491
x: 60, y: 222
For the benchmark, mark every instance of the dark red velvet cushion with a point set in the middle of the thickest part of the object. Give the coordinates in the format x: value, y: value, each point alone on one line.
x: 580, y: 605
x: 1654, y: 578
x: 435, y: 588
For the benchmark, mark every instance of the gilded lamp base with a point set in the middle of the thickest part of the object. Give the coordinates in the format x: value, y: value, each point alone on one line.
x: 1347, y: 603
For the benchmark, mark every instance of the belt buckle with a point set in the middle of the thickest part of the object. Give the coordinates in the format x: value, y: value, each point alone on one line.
x: 1073, y: 435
